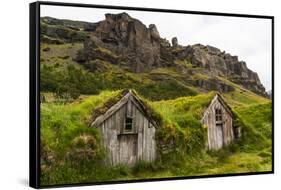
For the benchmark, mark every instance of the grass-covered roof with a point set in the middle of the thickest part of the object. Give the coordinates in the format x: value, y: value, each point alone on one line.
x: 106, y: 105
x: 65, y: 131
x: 191, y: 105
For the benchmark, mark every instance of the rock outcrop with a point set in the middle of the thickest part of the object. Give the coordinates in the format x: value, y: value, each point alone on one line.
x: 138, y: 45
x: 125, y: 41
x: 74, y: 25
x: 214, y: 84
x: 175, y: 42
x: 219, y: 63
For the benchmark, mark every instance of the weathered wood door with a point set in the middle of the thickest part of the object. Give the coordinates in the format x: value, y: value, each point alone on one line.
x: 220, y: 137
x: 128, y: 148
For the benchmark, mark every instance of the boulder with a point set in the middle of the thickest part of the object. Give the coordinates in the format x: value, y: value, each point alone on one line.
x: 131, y: 39
x: 175, y: 42
x: 154, y: 32
x: 214, y: 84
x: 91, y: 51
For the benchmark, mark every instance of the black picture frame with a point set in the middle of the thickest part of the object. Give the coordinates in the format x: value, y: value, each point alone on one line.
x: 34, y: 90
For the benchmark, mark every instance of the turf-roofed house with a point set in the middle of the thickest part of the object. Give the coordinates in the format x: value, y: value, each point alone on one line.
x: 128, y: 129
x: 218, y: 117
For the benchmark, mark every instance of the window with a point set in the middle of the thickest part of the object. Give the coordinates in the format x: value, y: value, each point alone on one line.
x: 129, y: 124
x: 218, y: 115
x: 219, y: 124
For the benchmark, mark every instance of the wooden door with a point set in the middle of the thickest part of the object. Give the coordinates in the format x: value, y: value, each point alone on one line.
x: 220, y: 139
x: 128, y: 148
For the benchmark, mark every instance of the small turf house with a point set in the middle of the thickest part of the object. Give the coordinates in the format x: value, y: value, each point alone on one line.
x: 127, y: 128
x: 218, y: 117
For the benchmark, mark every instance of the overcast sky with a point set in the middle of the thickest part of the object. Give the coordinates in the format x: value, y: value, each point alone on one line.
x: 248, y: 38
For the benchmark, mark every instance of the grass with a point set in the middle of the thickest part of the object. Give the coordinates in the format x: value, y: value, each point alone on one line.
x: 182, y: 122
x: 59, y: 51
x: 200, y: 76
x: 60, y: 32
x: 107, y: 51
x: 64, y: 130
x: 185, y: 63
x: 257, y: 120
x: 71, y: 151
x: 241, y: 96
x: 61, y: 124
x: 239, y: 163
x: 159, y: 84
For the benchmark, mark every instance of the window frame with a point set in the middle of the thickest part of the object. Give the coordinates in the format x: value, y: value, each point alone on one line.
x: 126, y: 123
x: 218, y: 115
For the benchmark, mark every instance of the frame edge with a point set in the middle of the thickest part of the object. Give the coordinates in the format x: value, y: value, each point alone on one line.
x: 34, y: 170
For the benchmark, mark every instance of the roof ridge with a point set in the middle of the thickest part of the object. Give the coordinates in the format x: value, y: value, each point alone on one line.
x: 102, y: 114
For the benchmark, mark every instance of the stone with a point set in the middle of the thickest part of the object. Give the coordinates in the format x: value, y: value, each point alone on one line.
x: 214, y: 84
x: 138, y: 45
x: 126, y: 41
x: 175, y: 42
x: 154, y: 32
x: 219, y: 63
x: 91, y: 52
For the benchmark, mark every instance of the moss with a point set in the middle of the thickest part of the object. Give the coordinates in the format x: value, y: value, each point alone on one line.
x: 183, y: 62
x: 108, y: 52
x: 182, y: 126
x: 241, y: 96
x: 106, y: 104
x: 257, y: 126
x: 200, y: 76
x: 165, y: 89
x: 150, y: 85
x: 62, y: 33
x: 172, y: 72
x: 59, y: 51
x: 50, y: 40
x: 71, y: 151
x: 64, y: 125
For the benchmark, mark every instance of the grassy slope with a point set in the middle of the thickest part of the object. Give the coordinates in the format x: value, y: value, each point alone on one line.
x: 58, y: 69
x: 158, y: 84
x: 63, y: 123
x: 251, y: 153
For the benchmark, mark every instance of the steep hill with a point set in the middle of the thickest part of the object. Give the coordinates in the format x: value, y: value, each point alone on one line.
x: 121, y: 52
x: 88, y: 63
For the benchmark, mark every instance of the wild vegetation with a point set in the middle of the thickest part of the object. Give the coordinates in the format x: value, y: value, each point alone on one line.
x: 71, y: 151
x: 83, y: 73
x: 67, y: 80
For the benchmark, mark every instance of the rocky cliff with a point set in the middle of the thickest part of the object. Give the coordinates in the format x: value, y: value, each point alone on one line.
x: 124, y: 41
x: 218, y: 63
x: 137, y: 45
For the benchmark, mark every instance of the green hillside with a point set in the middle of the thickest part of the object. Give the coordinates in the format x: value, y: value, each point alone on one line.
x: 61, y: 75
x: 84, y: 69
x: 71, y: 151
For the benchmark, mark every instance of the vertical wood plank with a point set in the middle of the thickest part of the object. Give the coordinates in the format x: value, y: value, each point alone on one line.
x: 128, y: 148
x: 218, y: 137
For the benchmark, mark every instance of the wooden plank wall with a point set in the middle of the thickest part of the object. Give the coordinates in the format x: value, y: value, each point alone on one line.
x: 216, y: 138
x: 128, y: 148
